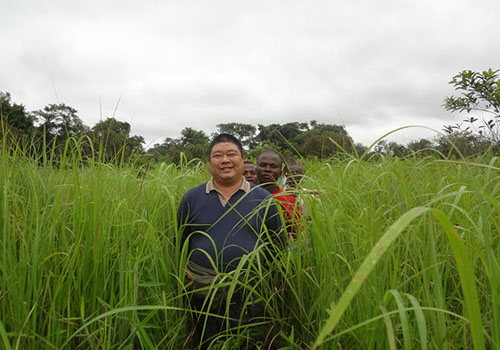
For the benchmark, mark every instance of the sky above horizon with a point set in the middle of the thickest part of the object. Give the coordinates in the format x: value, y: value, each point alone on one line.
x: 372, y: 66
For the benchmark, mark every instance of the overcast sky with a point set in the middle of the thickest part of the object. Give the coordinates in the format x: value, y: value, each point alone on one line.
x: 371, y: 65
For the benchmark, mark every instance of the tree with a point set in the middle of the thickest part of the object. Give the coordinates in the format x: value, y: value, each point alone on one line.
x: 323, y: 140
x: 195, y: 143
x: 326, y: 144
x: 113, y: 140
x: 480, y: 93
x: 321, y: 128
x: 104, y: 127
x: 396, y: 149
x: 14, y: 116
x: 168, y: 151
x: 58, y: 122
x: 467, y: 143
x: 313, y: 139
x: 284, y: 137
x: 191, y: 136
x: 243, y: 132
x: 360, y: 149
x: 421, y: 146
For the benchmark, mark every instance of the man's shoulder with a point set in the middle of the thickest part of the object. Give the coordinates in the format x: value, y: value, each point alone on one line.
x: 196, y: 191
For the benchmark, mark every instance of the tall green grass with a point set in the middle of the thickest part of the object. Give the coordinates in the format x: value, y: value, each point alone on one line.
x: 89, y: 257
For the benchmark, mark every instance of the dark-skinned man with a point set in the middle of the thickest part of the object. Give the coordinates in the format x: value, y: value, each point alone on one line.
x: 222, y: 221
x: 269, y: 171
x: 250, y: 172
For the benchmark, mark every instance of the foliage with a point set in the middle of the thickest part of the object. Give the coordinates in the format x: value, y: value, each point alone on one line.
x: 113, y: 141
x: 283, y: 136
x: 243, y: 132
x: 326, y: 144
x: 14, y: 115
x: 391, y: 148
x: 421, y: 145
x: 479, y: 92
x: 461, y: 143
x: 193, y: 144
x: 167, y: 152
x: 90, y: 259
x: 306, y: 140
x: 59, y: 122
x: 254, y: 153
x: 359, y: 149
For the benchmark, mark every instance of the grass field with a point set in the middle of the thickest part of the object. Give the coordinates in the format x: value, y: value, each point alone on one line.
x: 397, y: 254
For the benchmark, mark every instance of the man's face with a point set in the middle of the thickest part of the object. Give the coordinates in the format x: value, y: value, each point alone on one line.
x: 226, y: 163
x: 250, y: 173
x: 268, y: 168
x: 296, y: 170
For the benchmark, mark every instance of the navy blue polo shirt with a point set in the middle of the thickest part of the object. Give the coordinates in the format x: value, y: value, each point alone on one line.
x: 227, y: 231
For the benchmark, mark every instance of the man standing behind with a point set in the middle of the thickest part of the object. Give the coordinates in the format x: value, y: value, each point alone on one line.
x: 269, y: 170
x: 223, y: 220
x: 250, y: 172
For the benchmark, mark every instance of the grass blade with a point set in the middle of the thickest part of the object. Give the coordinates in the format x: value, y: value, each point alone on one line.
x: 402, y: 315
x: 389, y: 328
x: 365, y: 269
x: 421, y: 324
x: 467, y: 279
x: 5, y: 338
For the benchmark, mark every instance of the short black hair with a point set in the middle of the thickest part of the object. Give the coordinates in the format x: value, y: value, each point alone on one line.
x: 225, y: 138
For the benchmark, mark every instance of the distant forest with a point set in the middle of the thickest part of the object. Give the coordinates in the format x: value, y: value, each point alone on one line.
x: 49, y: 129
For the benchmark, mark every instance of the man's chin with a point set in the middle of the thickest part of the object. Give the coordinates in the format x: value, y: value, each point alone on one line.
x: 228, y: 178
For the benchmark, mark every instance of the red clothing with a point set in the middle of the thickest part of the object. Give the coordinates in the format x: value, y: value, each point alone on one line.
x: 289, y: 206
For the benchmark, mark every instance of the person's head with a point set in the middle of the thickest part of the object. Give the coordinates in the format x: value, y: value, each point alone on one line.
x: 226, y: 160
x: 269, y: 166
x: 295, y: 174
x: 296, y: 169
x: 250, y: 172
x: 224, y: 138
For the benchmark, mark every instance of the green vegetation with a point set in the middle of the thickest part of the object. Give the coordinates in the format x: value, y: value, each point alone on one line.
x: 398, y: 253
x: 480, y: 94
x: 110, y: 139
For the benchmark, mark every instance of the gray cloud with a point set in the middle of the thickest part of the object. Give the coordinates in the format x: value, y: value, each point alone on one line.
x: 372, y: 66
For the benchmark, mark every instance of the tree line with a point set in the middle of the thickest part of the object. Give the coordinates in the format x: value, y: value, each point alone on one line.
x: 51, y: 127
x: 48, y: 130
x: 294, y: 139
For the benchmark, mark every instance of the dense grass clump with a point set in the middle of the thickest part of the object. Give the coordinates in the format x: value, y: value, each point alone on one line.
x: 89, y: 257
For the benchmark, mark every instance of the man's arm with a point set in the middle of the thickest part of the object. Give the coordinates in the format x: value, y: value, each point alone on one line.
x: 182, y: 220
